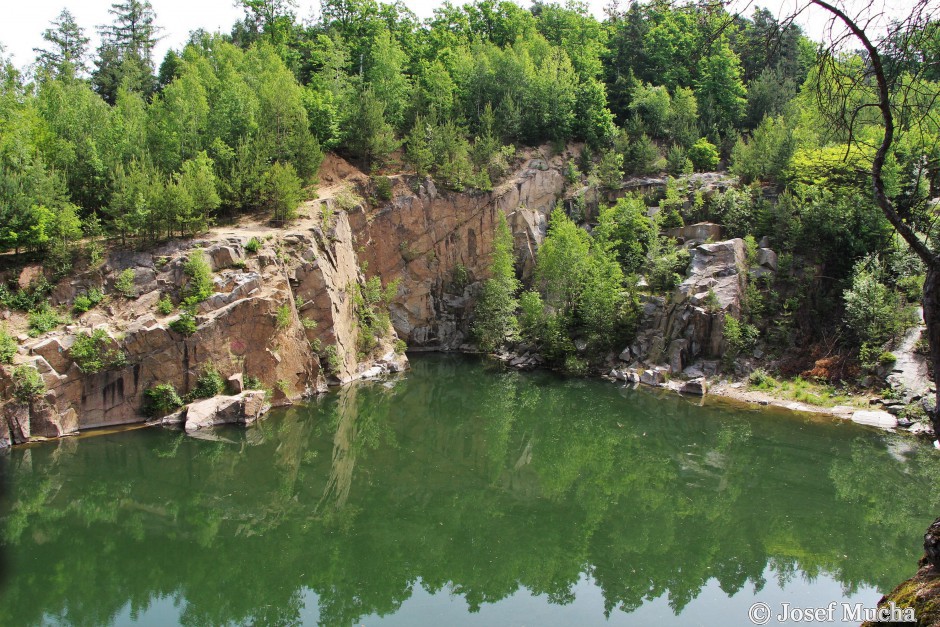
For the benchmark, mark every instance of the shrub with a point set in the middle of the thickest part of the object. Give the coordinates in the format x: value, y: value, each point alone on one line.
x: 333, y: 362
x: 91, y: 352
x: 666, y: 270
x: 282, y: 191
x: 200, y: 285
x: 161, y: 399
x: 460, y: 277
x: 27, y: 299
x: 185, y: 324
x: 252, y: 383
x: 124, y: 285
x: 383, y: 187
x: 86, y: 301
x: 165, y: 305
x: 253, y: 246
x: 610, y: 169
x: 43, y: 319
x: 641, y: 157
x: 761, y: 380
x: 704, y: 155
x: 8, y: 346
x: 494, y: 313
x: 400, y: 347
x: 28, y: 385
x: 371, y: 302
x: 347, y: 200
x: 678, y: 162
x: 308, y: 323
x: 740, y: 336
x: 283, y: 316
x: 210, y: 383
x: 532, y: 315
x: 871, y: 309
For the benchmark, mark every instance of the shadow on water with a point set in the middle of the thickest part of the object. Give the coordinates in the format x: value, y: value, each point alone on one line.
x: 459, y: 478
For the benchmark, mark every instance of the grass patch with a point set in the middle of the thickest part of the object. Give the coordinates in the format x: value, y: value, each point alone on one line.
x: 802, y: 390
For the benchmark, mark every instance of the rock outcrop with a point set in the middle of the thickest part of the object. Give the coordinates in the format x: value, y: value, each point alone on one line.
x: 679, y: 332
x: 284, y: 312
x: 244, y: 408
x: 271, y: 316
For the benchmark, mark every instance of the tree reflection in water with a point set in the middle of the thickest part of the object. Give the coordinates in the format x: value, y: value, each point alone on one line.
x: 459, y: 477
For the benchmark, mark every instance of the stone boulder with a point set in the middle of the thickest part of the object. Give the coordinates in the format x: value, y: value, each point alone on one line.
x: 55, y: 353
x: 244, y: 408
x: 695, y: 387
x: 655, y: 377
x: 881, y: 419
x: 767, y: 258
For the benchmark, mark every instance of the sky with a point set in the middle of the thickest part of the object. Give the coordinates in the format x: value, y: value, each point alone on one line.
x: 24, y: 20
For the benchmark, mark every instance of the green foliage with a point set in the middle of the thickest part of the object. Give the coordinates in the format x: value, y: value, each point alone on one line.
x: 308, y: 323
x: 641, y: 157
x: 383, y: 188
x: 94, y: 352
x: 283, y: 316
x: 253, y: 246
x: 626, y: 230
x: 28, y: 386
x: 704, y: 155
x: 739, y: 211
x: 208, y: 384
x: 282, y: 191
x: 460, y: 277
x: 253, y: 383
x: 494, y: 314
x: 161, y: 400
x: 8, y: 346
x: 199, y: 285
x: 583, y: 287
x: 165, y: 305
x: 678, y: 162
x: 871, y: 308
x: 371, y: 302
x: 185, y: 324
x: 766, y: 156
x: 740, y: 337
x: 28, y: 299
x: 86, y: 301
x: 43, y: 319
x: 400, y: 347
x: 531, y: 315
x: 124, y: 284
x: 610, y: 169
x: 667, y: 265
x: 332, y: 359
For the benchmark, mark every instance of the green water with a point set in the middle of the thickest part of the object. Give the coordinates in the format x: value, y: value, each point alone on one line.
x: 464, y: 494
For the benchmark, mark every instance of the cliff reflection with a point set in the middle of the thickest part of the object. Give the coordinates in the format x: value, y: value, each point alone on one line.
x: 459, y: 477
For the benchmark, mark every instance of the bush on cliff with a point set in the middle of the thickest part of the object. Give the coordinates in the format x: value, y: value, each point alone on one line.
x: 199, y: 286
x: 495, y: 312
x: 92, y: 352
x: 161, y: 399
x: 28, y: 385
x: 7, y: 346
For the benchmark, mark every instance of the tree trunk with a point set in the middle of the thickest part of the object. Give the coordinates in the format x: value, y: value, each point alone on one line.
x: 932, y: 320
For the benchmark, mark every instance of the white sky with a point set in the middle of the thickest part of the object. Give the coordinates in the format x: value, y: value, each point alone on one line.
x: 23, y: 21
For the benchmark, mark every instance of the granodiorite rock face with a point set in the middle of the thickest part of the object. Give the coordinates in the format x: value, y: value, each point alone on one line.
x: 275, y: 311
x: 438, y: 244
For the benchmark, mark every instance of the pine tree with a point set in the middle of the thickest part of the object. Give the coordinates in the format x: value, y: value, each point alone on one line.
x: 125, y: 58
x: 67, y: 49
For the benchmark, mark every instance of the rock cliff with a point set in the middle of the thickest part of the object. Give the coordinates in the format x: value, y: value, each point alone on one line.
x: 284, y: 300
